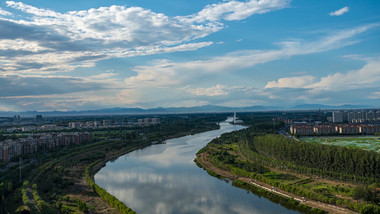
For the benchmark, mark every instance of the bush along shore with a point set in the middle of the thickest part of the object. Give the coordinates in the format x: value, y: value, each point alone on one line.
x: 112, y: 200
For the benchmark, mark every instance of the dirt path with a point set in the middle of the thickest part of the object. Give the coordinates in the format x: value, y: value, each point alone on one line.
x: 202, y: 159
x: 29, y: 193
x: 81, y: 190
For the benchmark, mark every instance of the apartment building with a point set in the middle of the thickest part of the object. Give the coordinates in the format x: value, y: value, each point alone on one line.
x: 13, y: 148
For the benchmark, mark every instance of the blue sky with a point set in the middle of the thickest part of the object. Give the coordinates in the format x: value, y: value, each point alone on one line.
x: 76, y: 55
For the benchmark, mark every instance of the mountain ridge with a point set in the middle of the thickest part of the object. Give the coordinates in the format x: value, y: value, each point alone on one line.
x: 173, y: 110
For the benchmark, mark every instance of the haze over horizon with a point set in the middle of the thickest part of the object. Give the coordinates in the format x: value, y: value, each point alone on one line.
x: 79, y: 55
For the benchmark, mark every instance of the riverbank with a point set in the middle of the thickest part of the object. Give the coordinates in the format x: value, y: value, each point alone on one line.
x: 61, y: 179
x: 207, y: 165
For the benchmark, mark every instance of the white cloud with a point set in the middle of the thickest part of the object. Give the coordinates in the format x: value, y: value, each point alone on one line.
x: 64, y: 41
x: 161, y: 76
x: 366, y: 77
x: 217, y: 90
x: 4, y: 13
x: 50, y: 41
x: 375, y: 95
x: 20, y: 44
x: 50, y: 62
x: 166, y: 73
x: 93, y: 99
x: 20, y: 92
x: 30, y: 9
x: 291, y: 82
x: 339, y: 12
x: 141, y: 51
x: 236, y: 10
x: 132, y: 26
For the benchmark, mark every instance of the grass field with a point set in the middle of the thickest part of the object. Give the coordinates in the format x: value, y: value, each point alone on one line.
x: 367, y: 143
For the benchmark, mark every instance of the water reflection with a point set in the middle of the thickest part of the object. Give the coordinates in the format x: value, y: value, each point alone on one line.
x: 164, y: 179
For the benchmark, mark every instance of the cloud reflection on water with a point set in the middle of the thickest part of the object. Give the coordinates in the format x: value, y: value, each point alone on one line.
x: 164, y: 179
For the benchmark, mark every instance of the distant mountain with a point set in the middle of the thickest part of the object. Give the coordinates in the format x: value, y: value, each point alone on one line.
x: 176, y: 110
x: 320, y: 106
x: 160, y: 110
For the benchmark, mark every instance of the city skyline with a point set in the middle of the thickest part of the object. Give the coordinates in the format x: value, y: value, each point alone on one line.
x: 78, y: 55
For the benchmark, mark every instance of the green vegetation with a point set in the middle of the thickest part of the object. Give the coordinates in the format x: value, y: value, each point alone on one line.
x: 284, y: 201
x: 82, y: 206
x: 367, y: 143
x: 336, y: 175
x: 41, y: 204
x: 333, y: 161
x: 112, y: 200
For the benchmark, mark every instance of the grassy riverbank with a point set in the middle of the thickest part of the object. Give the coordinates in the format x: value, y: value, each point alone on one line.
x: 257, y: 157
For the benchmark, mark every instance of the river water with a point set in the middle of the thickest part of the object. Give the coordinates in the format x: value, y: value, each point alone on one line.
x: 164, y: 179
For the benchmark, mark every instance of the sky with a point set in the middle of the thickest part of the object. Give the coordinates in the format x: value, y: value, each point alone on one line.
x: 82, y: 55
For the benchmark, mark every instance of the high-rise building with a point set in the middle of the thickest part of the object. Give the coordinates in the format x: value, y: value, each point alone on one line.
x: 39, y: 118
x: 338, y: 117
x: 362, y: 116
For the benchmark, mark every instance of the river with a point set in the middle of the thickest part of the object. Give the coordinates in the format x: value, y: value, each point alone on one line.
x: 164, y: 179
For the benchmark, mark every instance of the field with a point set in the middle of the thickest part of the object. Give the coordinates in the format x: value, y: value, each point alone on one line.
x: 366, y: 142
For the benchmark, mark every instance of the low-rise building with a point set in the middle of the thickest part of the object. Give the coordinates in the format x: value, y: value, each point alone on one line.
x: 301, y: 129
x: 369, y: 129
x: 349, y: 129
x: 330, y: 129
x: 324, y: 129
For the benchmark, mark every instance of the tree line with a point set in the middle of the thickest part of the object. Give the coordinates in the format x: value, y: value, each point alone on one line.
x: 350, y: 161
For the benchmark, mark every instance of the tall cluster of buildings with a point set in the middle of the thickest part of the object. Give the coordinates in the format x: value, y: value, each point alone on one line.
x: 13, y: 148
x: 332, y: 129
x: 362, y: 116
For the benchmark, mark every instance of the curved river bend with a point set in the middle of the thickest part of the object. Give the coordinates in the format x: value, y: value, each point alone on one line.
x: 163, y: 178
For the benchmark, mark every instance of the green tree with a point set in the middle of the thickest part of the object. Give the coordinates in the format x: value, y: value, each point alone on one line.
x: 10, y: 186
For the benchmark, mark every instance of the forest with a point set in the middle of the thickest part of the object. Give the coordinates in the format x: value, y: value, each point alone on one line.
x: 348, y: 163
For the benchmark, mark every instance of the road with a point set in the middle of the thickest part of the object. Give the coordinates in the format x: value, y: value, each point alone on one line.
x: 285, y: 133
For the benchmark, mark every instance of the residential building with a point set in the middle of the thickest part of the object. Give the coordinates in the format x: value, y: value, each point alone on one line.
x: 301, y: 129
x: 13, y: 148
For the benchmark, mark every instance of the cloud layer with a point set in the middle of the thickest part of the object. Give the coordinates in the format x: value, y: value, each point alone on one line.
x: 339, y: 12
x: 59, y: 42
x: 165, y: 73
x: 236, y: 10
x: 47, y: 58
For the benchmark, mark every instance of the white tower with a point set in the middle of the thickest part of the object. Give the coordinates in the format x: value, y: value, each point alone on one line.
x: 234, y: 120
